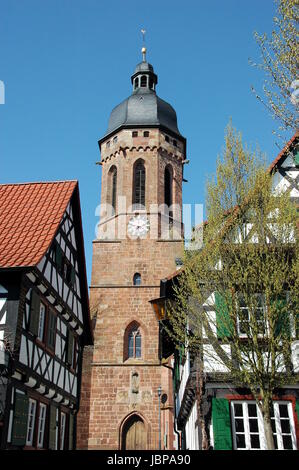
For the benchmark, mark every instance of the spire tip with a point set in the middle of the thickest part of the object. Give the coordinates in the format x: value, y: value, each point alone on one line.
x: 143, y: 50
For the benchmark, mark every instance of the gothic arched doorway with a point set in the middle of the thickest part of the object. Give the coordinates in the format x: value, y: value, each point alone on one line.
x: 134, y: 434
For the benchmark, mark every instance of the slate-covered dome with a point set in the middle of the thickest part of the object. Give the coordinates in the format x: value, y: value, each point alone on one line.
x: 143, y: 108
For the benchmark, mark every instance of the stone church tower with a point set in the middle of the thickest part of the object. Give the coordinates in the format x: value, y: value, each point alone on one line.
x: 139, y: 243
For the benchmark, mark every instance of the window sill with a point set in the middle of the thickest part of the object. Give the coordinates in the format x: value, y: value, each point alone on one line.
x: 45, y: 347
x: 133, y: 360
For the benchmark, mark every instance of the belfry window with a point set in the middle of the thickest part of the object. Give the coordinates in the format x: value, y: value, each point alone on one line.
x: 168, y: 186
x: 139, y: 185
x: 137, y: 279
x: 136, y: 83
x: 112, y: 185
x: 134, y: 343
x: 143, y: 81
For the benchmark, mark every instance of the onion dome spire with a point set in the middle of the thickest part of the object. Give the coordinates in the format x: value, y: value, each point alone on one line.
x: 144, y: 79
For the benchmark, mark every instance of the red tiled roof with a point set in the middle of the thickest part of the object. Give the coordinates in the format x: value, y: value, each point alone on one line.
x: 283, y: 153
x: 30, y: 214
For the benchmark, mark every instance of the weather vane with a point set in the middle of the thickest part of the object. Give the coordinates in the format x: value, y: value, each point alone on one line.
x: 143, y: 50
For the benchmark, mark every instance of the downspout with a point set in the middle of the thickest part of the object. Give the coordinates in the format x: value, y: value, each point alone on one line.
x: 178, y: 433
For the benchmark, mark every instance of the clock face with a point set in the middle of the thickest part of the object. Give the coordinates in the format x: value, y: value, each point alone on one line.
x: 138, y: 226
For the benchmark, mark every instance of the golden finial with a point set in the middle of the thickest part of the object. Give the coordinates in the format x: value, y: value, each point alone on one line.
x: 143, y: 50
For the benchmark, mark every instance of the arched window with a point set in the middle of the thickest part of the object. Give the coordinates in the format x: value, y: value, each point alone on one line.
x: 112, y: 186
x: 139, y: 185
x: 137, y: 279
x: 136, y: 83
x: 168, y: 186
x: 143, y: 81
x: 134, y: 342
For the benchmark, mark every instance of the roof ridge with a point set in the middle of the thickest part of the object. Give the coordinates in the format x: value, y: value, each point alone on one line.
x: 39, y: 182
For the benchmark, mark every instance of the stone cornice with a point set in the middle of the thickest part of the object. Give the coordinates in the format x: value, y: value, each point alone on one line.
x: 142, y: 148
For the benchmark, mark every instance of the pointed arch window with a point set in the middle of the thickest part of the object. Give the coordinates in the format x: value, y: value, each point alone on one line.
x: 139, y: 185
x: 113, y: 186
x: 168, y: 179
x: 132, y: 341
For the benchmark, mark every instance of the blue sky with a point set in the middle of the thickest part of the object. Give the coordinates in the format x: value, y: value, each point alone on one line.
x: 67, y: 63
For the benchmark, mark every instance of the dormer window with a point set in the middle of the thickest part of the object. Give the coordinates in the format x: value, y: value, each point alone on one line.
x: 143, y: 81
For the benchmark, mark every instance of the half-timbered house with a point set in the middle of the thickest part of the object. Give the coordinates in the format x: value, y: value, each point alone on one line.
x: 233, y: 420
x: 44, y: 314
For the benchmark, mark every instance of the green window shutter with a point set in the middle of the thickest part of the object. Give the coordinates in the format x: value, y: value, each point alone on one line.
x: 282, y: 324
x: 73, y: 276
x: 51, y: 339
x: 297, y: 325
x: 297, y: 409
x: 176, y: 376
x: 19, y: 429
x: 52, y: 428
x: 70, y: 346
x: 58, y: 256
x: 221, y: 424
x: 34, y: 312
x: 223, y: 320
x: 71, y: 432
x: 296, y: 156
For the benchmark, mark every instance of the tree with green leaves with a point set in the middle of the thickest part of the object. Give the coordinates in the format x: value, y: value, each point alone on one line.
x: 236, y: 299
x: 279, y: 62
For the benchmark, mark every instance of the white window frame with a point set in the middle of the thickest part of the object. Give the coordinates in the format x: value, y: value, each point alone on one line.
x: 31, y: 421
x: 262, y: 308
x: 247, y: 432
x: 261, y: 432
x: 278, y: 419
x: 41, y: 425
x: 41, y: 321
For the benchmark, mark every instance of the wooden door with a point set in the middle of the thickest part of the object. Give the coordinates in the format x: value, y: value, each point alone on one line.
x: 134, y: 434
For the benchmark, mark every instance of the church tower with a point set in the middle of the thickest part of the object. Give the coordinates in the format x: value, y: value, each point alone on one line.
x: 139, y: 242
